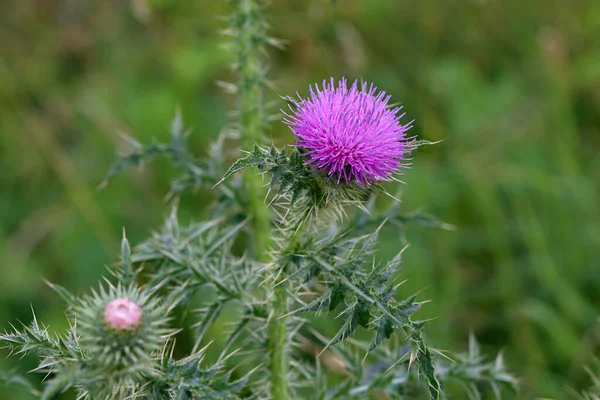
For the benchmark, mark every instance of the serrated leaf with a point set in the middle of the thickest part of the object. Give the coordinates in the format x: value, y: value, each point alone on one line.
x: 384, y: 329
x: 316, y: 305
x: 337, y: 296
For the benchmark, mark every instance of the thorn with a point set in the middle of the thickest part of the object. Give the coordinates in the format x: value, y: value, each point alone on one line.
x: 413, y: 357
x: 396, y: 286
x: 102, y: 185
x: 218, y: 183
x: 396, y: 363
x: 441, y: 353
x: 404, y: 248
x: 288, y: 314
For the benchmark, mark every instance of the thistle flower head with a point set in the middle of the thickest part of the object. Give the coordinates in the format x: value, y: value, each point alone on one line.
x: 350, y: 134
x: 122, y: 314
x: 121, y: 326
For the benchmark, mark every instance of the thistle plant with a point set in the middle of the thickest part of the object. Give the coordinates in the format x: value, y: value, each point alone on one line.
x: 306, y: 220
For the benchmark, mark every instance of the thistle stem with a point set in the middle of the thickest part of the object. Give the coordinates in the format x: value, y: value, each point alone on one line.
x: 277, y: 343
x: 251, y: 36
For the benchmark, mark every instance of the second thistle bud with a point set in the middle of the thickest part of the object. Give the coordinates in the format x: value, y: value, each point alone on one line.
x: 122, y: 314
x: 122, y: 327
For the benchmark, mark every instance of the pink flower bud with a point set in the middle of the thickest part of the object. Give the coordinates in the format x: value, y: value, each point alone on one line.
x: 122, y: 314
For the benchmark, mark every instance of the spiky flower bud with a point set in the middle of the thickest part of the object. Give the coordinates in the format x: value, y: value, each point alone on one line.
x: 122, y: 314
x: 121, y: 327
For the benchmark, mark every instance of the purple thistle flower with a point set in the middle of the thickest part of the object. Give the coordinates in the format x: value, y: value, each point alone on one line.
x: 350, y: 134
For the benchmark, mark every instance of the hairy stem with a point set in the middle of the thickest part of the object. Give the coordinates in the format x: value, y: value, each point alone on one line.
x: 251, y: 36
x: 277, y: 343
x: 251, y: 29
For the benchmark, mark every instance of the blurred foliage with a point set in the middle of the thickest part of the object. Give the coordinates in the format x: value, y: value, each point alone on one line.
x: 512, y: 87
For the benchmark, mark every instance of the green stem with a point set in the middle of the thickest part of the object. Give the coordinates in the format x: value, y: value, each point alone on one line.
x: 277, y: 343
x: 277, y: 330
x: 251, y: 29
x: 251, y: 36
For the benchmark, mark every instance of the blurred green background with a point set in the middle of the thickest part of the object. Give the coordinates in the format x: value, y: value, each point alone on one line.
x: 511, y: 86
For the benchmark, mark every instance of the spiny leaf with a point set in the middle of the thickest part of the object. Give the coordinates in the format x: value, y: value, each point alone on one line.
x: 316, y: 305
x: 296, y: 185
x: 425, y: 364
x: 339, y: 261
x: 384, y: 328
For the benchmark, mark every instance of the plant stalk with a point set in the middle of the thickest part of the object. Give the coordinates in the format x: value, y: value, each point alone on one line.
x: 278, y: 342
x: 252, y: 35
